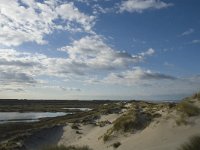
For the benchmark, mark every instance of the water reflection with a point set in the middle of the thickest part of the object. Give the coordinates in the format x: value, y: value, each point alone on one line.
x: 27, y: 116
x: 80, y: 109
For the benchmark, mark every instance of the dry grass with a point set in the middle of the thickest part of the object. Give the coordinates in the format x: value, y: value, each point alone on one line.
x: 196, y: 96
x: 188, y: 108
x: 182, y: 120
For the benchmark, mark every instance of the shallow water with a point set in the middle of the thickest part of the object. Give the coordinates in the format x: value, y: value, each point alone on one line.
x: 81, y: 109
x: 6, y: 117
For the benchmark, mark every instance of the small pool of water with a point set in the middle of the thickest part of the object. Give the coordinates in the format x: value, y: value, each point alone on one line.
x: 81, y: 109
x: 6, y: 117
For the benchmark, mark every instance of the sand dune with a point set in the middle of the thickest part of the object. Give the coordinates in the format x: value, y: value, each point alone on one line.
x: 162, y: 134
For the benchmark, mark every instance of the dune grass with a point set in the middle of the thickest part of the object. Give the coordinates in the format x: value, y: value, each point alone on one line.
x: 66, y: 148
x: 131, y: 121
x: 196, y: 96
x: 188, y: 108
x: 193, y: 144
x: 125, y: 123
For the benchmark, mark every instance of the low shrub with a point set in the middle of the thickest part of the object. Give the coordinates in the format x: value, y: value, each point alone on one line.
x: 75, y: 126
x: 193, y: 144
x: 116, y: 145
x: 78, y: 132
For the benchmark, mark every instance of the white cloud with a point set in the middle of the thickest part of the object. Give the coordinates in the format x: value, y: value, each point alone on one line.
x: 149, y: 84
x: 62, y: 88
x: 70, y: 89
x: 19, y: 68
x: 196, y: 41
x: 93, y: 53
x: 136, y: 76
x: 3, y: 89
x: 23, y: 72
x: 30, y: 20
x: 142, y: 5
x: 149, y: 52
x: 188, y: 32
x: 98, y: 9
x: 88, y: 56
x: 10, y: 77
x: 71, y: 13
x: 168, y: 64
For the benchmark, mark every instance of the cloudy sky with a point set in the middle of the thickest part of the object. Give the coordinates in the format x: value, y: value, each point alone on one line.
x: 99, y: 49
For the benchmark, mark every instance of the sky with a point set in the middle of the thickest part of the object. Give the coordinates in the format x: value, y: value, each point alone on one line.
x: 99, y: 49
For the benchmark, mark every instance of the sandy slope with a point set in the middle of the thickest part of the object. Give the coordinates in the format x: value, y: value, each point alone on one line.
x: 161, y: 134
x: 91, y: 135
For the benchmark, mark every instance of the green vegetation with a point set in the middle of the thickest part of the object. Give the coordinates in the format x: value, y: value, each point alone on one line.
x: 188, y: 108
x: 110, y: 108
x: 116, y: 144
x: 15, y: 105
x: 133, y: 120
x: 193, y: 144
x: 126, y: 123
x: 66, y: 148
